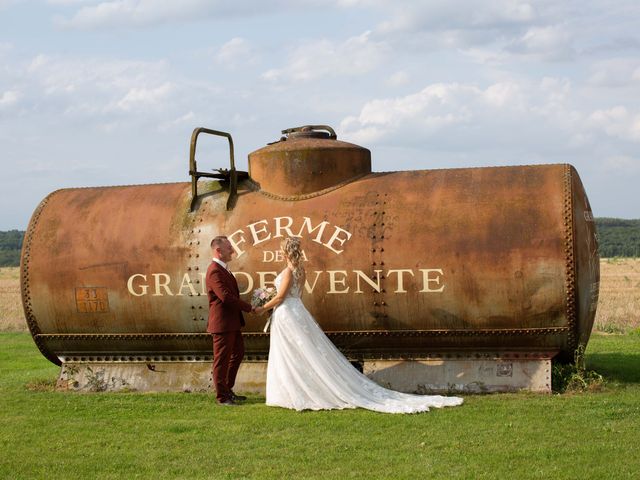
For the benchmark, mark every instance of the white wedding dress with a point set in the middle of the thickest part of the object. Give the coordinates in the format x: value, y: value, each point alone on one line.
x: 307, y: 372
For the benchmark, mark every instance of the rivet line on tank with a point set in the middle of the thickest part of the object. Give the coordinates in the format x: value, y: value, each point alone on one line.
x: 569, y: 259
x: 26, y: 289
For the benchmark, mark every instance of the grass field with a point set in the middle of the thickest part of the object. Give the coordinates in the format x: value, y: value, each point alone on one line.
x: 619, y: 302
x: 49, y: 434
x: 11, y: 312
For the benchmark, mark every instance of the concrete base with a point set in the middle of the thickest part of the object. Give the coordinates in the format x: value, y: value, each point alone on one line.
x: 461, y: 375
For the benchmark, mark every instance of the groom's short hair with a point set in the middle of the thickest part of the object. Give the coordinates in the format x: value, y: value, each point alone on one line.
x: 218, y: 241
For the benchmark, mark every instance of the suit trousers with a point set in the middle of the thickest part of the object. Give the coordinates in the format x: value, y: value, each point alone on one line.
x: 228, y: 351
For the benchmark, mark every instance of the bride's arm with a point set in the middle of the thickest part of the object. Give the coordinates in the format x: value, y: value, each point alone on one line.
x: 282, y: 292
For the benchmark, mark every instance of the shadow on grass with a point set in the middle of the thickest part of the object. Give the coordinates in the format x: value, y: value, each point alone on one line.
x: 617, y: 367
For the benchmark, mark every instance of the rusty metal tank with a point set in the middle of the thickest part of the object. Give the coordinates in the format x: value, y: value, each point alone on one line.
x: 402, y: 264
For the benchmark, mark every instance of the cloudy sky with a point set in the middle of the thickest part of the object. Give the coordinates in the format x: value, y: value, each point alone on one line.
x: 107, y: 92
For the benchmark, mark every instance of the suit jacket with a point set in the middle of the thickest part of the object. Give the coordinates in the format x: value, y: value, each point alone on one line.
x: 225, y: 305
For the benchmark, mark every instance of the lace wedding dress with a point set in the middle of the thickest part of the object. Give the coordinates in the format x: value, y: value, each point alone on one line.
x: 307, y: 372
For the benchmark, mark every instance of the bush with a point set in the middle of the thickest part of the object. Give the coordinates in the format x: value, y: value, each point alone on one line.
x: 574, y: 377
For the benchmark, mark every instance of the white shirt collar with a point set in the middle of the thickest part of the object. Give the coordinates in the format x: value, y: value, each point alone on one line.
x: 221, y: 263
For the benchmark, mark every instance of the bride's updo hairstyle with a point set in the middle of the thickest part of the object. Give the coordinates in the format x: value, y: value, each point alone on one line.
x: 292, y: 252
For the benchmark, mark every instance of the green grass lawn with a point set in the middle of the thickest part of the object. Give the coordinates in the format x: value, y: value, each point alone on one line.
x: 48, y: 434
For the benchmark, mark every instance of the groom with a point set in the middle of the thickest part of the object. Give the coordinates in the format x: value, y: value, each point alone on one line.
x: 225, y: 321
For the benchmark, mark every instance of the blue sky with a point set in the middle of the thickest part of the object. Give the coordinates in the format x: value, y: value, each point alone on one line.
x: 99, y: 93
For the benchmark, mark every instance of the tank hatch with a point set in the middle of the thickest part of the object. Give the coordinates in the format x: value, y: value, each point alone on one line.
x: 307, y: 160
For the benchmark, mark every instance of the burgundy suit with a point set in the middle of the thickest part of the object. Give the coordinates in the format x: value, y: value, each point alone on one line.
x: 225, y: 321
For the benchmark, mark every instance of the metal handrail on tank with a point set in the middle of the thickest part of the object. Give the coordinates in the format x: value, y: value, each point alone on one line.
x: 230, y: 175
x: 312, y: 129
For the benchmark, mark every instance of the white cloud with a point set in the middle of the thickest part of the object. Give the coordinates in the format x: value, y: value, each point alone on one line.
x: 4, y: 4
x: 66, y: 2
x: 617, y: 122
x: 615, y: 72
x: 235, y: 52
x: 5, y: 47
x: 504, y: 94
x: 9, y: 98
x: 143, y: 97
x: 622, y: 164
x: 441, y: 15
x: 118, y: 13
x: 187, y: 119
x: 134, y: 13
x: 509, y: 114
x: 96, y: 88
x: 398, y: 79
x: 435, y: 107
x: 546, y: 43
x: 313, y: 60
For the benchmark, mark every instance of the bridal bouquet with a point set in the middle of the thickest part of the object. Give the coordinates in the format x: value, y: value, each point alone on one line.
x: 260, y: 297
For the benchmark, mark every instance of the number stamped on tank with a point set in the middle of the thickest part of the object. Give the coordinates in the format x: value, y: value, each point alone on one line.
x: 92, y: 299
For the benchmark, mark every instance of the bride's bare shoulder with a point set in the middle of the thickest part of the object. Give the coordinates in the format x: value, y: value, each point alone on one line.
x: 286, y: 272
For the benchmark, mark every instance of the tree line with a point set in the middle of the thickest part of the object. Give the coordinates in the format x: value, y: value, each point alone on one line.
x: 617, y: 237
x: 10, y: 247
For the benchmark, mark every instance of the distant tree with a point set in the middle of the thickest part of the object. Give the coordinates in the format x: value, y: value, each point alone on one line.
x: 618, y: 237
x: 10, y: 247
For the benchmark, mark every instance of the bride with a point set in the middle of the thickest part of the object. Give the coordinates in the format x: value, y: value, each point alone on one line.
x: 307, y: 372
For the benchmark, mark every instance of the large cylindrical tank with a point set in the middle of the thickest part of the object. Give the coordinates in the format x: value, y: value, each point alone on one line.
x: 399, y: 264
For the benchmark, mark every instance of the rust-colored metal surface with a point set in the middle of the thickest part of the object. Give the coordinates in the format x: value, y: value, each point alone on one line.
x: 306, y: 162
x: 399, y: 265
